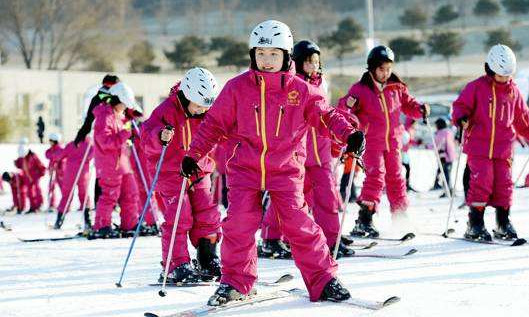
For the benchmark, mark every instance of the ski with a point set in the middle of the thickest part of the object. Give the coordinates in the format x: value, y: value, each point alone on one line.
x: 505, y: 243
x: 281, y: 280
x: 408, y: 236
x: 5, y: 226
x: 356, y: 302
x: 66, y: 237
x: 384, y: 256
x: 207, y: 310
x: 349, y: 242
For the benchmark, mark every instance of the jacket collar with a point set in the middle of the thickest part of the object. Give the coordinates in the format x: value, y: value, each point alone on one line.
x: 273, y: 81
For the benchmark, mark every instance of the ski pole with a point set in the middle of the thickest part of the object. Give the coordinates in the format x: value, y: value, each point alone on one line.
x: 50, y: 192
x: 440, y: 164
x: 445, y: 233
x: 162, y: 291
x: 140, y: 170
x: 347, y: 196
x: 145, y: 206
x: 70, y: 194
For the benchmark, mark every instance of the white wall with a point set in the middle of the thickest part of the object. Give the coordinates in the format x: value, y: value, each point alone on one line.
x: 70, y: 86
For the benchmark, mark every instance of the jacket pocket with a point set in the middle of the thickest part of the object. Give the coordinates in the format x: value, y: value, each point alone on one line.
x: 257, y: 120
x: 279, y: 117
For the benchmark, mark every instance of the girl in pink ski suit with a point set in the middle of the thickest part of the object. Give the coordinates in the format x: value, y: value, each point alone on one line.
x: 199, y: 217
x: 73, y: 155
x: 56, y: 171
x: 320, y: 185
x: 265, y: 114
x: 18, y: 190
x: 32, y: 171
x: 116, y: 179
x: 378, y: 107
x: 492, y: 110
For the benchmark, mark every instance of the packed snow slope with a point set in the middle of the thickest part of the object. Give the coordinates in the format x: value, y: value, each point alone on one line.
x: 445, y: 278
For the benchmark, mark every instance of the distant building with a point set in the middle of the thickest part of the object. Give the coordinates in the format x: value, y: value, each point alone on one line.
x: 58, y: 96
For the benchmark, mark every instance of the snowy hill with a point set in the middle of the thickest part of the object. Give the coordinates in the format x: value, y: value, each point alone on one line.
x: 445, y: 278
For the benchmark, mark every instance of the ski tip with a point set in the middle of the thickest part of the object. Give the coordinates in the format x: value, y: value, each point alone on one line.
x: 408, y: 236
x: 285, y: 278
x: 391, y: 300
x: 372, y: 244
x: 412, y: 251
x: 150, y: 315
x: 519, y: 242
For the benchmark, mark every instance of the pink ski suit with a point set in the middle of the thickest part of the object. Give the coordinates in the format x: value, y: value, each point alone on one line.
x: 319, y: 187
x: 378, y: 112
x: 495, y: 112
x: 33, y: 170
x: 18, y: 191
x: 444, y: 139
x: 74, y: 157
x: 266, y: 116
x: 113, y: 169
x: 56, y: 171
x: 149, y: 217
x: 199, y: 216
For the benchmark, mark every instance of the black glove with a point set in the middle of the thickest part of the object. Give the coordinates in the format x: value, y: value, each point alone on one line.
x: 189, y: 167
x: 356, y: 144
x: 132, y: 113
x: 461, y: 121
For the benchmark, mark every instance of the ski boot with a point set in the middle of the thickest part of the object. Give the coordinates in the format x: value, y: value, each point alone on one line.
x: 334, y: 291
x: 476, y: 225
x: 184, y: 273
x: 504, y: 229
x: 149, y: 230
x: 208, y: 262
x: 364, y: 224
x: 104, y: 233
x: 58, y: 221
x: 343, y: 251
x: 31, y: 211
x: 275, y: 249
x: 226, y: 293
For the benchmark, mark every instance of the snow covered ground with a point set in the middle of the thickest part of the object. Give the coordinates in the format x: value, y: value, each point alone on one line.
x: 445, y: 278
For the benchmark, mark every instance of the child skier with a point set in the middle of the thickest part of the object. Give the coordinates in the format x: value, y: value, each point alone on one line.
x: 378, y: 100
x: 265, y: 113
x: 55, y: 169
x: 32, y: 171
x: 320, y: 186
x: 18, y: 190
x: 491, y: 109
x: 444, y: 139
x: 74, y: 157
x: 184, y: 110
x: 111, y: 132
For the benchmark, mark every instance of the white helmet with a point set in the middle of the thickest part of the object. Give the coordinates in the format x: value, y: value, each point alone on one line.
x: 199, y: 86
x: 501, y: 60
x: 23, y: 148
x: 272, y: 33
x: 55, y: 137
x: 125, y: 94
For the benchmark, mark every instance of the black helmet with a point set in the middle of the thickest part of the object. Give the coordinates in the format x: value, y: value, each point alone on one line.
x: 378, y: 55
x: 304, y: 49
x: 6, y: 177
x: 440, y: 123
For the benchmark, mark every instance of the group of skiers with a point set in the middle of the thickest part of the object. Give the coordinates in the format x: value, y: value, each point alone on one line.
x: 271, y: 134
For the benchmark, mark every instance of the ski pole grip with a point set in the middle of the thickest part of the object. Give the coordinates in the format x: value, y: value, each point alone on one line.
x: 170, y: 128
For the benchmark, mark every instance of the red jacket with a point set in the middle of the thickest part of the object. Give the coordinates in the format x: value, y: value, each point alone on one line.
x: 379, y: 111
x: 56, y: 163
x: 495, y: 111
x: 31, y: 166
x: 110, y: 142
x: 266, y: 117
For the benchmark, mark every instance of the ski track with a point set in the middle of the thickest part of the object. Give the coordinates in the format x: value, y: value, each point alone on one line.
x: 445, y: 278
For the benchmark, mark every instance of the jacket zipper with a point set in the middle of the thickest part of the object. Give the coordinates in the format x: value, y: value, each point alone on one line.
x: 386, y: 114
x: 188, y: 134
x: 257, y: 120
x: 184, y: 138
x: 493, y: 132
x: 263, y: 133
x: 315, y: 146
x: 279, y: 116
